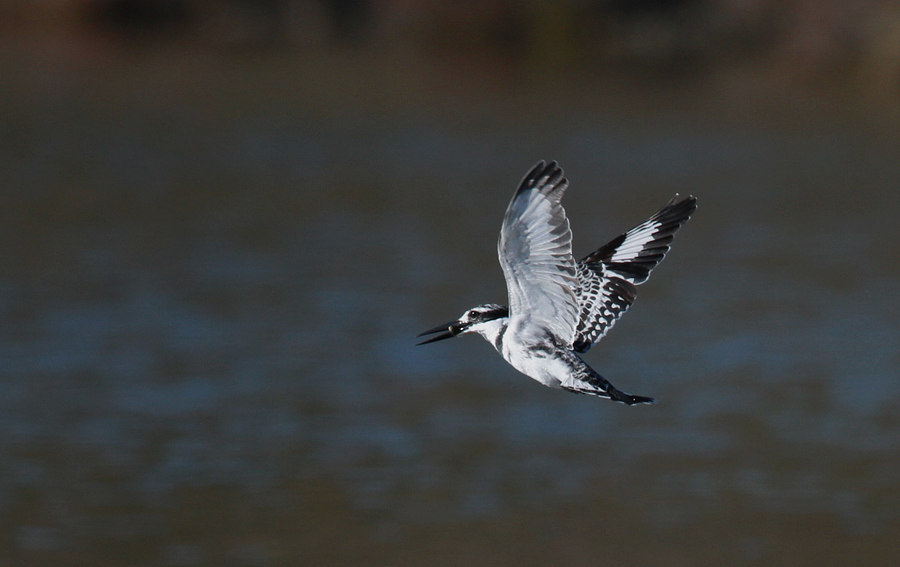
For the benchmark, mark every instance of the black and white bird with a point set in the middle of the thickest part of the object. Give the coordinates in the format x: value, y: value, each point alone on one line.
x: 559, y: 308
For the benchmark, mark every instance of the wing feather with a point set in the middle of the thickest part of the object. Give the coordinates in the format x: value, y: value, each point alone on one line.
x: 635, y: 253
x: 608, y: 278
x: 535, y: 250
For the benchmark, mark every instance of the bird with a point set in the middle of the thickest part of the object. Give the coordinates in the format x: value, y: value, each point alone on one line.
x: 559, y: 308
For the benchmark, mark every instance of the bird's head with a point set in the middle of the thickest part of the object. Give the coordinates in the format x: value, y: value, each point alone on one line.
x: 474, y: 320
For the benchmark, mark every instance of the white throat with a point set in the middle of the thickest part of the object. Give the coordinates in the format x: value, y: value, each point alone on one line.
x: 492, y: 331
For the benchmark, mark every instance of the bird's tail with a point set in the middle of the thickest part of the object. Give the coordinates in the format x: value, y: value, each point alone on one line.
x: 586, y: 380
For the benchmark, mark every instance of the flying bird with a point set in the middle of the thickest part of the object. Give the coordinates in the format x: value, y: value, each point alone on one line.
x: 559, y: 308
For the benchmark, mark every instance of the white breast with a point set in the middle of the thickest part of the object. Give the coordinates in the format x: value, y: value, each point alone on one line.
x: 532, y: 351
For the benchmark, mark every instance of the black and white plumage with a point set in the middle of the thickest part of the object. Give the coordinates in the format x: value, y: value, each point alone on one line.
x: 607, y: 278
x: 557, y: 307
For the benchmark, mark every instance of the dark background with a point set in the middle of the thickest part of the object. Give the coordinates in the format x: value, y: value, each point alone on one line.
x: 223, y: 222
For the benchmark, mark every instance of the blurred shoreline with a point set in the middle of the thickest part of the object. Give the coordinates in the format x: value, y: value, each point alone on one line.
x: 220, y: 60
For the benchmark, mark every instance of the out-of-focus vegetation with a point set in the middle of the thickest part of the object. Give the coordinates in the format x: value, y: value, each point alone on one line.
x: 848, y: 42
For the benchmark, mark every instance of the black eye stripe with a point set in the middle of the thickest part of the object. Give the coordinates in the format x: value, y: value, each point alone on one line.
x: 485, y: 313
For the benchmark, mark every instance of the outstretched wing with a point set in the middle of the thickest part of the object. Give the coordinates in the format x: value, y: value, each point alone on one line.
x: 607, y: 279
x: 634, y: 254
x: 535, y: 250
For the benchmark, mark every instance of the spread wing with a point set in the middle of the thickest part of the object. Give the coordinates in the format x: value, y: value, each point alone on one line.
x: 535, y: 250
x: 607, y: 279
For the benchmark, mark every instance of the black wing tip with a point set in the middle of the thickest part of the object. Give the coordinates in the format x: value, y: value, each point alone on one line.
x: 668, y: 219
x: 675, y: 213
x: 548, y: 177
x: 678, y: 212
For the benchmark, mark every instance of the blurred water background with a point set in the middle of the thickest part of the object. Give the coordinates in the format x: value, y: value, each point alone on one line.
x: 222, y: 224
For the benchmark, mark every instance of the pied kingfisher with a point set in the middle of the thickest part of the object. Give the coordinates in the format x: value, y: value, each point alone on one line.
x: 558, y: 307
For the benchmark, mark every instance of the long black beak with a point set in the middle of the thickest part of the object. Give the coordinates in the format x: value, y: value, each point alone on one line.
x: 450, y: 329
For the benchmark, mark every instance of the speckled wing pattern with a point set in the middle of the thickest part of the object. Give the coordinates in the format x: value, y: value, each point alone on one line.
x: 608, y: 278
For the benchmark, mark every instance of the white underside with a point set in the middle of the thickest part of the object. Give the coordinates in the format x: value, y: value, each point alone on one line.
x: 517, y: 349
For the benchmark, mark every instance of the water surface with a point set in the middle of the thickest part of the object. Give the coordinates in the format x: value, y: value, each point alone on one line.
x: 207, y: 350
